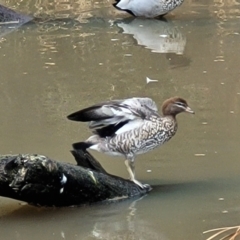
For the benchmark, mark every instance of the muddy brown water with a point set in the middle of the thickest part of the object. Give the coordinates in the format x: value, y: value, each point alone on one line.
x: 50, y: 70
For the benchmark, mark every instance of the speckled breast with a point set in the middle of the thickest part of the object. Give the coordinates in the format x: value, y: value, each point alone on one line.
x: 140, y: 140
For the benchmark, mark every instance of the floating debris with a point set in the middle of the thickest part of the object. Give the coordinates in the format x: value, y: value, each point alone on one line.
x: 221, y: 199
x: 149, y: 170
x: 219, y: 60
x: 224, y: 211
x: 204, y: 123
x: 148, y: 80
x: 114, y: 39
x: 204, y: 71
x: 63, y: 235
x: 128, y: 55
x: 50, y: 63
x: 199, y: 154
x: 231, y: 111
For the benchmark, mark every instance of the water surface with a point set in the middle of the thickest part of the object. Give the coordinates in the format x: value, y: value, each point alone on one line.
x: 51, y: 69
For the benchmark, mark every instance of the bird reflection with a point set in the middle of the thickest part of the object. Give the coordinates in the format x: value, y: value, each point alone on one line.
x: 127, y: 225
x: 159, y: 36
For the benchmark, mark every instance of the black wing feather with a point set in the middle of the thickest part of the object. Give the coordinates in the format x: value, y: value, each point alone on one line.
x: 109, y: 130
x: 86, y: 115
x: 90, y: 113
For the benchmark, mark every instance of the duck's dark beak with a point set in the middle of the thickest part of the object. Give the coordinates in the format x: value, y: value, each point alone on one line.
x: 189, y: 110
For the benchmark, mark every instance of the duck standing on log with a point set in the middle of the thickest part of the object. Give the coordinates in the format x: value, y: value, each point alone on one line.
x: 130, y: 127
x: 147, y: 8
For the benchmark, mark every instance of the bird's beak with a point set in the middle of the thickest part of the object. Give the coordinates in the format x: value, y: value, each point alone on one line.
x: 189, y: 110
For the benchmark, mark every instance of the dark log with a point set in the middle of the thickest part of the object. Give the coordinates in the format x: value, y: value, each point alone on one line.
x: 9, y: 16
x: 38, y: 180
x: 11, y: 20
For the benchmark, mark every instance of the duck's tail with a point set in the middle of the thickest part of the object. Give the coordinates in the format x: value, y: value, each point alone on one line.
x: 123, y: 6
x: 81, y: 145
x: 90, y: 142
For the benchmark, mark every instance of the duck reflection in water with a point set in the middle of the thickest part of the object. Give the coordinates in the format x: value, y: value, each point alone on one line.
x: 124, y: 222
x: 158, y: 36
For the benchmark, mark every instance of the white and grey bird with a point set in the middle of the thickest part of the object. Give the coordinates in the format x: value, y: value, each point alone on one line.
x: 130, y: 127
x: 147, y: 8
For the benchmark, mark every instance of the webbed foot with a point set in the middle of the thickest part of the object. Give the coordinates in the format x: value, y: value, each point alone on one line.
x: 141, y: 185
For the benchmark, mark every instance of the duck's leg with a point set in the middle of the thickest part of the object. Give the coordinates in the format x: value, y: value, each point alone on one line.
x: 132, y: 166
x: 129, y: 166
x: 129, y: 162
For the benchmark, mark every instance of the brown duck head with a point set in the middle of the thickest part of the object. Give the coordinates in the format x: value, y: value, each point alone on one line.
x: 174, y: 106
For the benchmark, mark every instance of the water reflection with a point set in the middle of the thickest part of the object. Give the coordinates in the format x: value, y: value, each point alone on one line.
x: 158, y: 36
x: 128, y: 225
x: 225, y: 9
x: 102, y: 221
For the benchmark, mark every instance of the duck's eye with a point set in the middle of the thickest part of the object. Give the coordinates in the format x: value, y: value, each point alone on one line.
x: 180, y: 104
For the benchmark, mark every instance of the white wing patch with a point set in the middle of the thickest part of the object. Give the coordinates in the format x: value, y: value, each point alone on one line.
x: 132, y: 110
x: 124, y: 112
x: 107, y: 110
x: 130, y: 126
x: 116, y: 115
